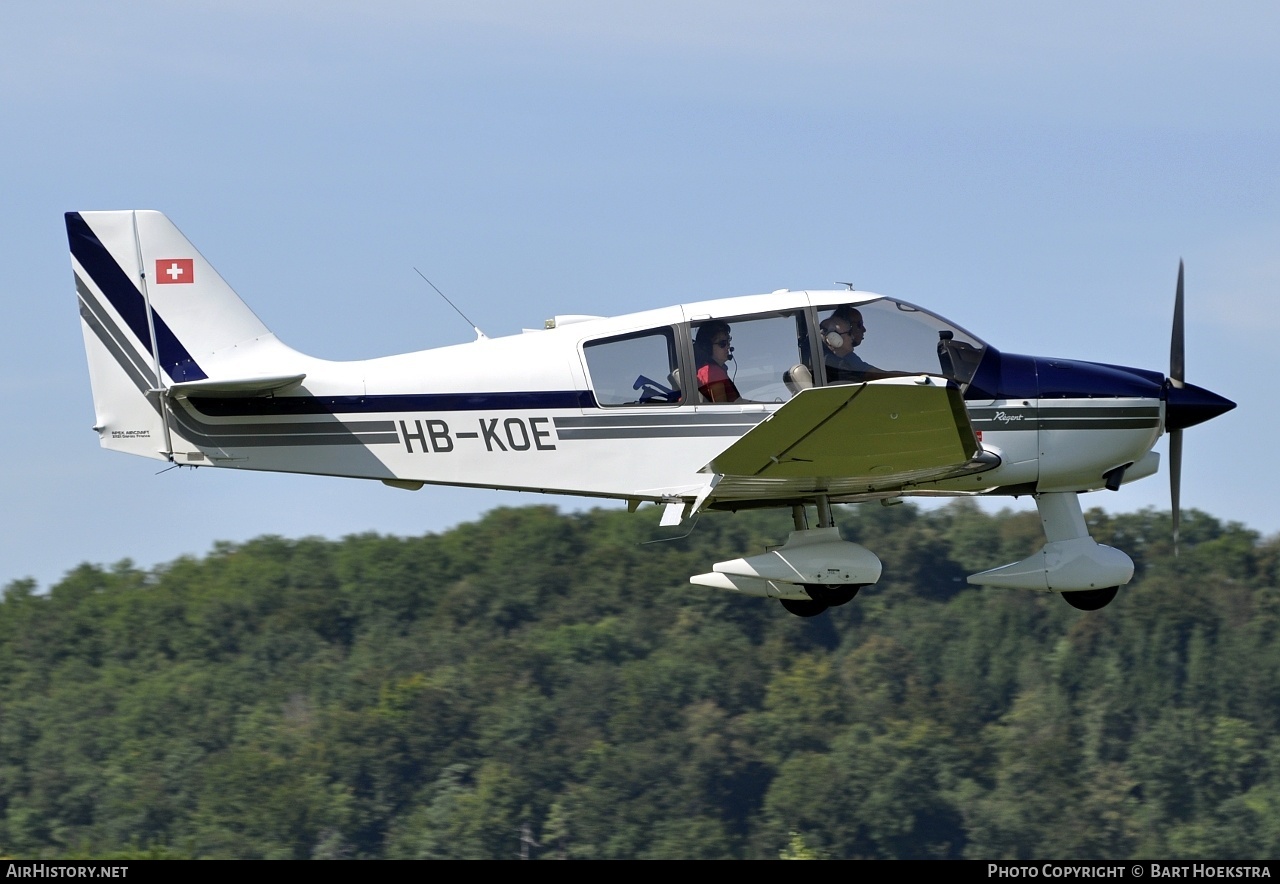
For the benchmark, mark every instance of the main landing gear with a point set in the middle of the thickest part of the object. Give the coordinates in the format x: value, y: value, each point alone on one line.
x: 814, y: 570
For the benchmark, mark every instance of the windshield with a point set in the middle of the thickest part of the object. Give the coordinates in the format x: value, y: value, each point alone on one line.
x: 882, y: 338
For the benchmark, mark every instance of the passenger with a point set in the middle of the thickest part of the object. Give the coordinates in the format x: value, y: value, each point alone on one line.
x: 841, y: 332
x: 712, y: 352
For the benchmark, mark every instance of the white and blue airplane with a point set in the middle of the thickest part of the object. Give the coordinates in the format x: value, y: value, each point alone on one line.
x: 825, y: 397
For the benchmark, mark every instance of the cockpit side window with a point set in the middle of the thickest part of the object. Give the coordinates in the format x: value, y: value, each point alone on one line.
x: 884, y: 338
x: 760, y: 358
x: 634, y: 369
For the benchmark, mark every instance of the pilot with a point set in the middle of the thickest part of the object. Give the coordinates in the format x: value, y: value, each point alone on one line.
x: 712, y: 352
x: 841, y: 332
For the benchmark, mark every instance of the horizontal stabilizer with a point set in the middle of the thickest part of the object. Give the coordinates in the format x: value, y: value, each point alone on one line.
x: 260, y: 386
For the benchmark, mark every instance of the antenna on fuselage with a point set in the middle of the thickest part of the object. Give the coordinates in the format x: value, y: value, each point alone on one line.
x: 480, y: 336
x: 847, y: 285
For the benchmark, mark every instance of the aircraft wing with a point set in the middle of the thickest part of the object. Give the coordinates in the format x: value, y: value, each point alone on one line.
x: 847, y: 440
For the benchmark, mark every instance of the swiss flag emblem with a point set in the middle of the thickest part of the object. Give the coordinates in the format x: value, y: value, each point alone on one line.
x: 175, y: 270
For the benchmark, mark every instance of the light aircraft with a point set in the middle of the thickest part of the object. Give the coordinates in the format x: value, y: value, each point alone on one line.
x: 630, y: 407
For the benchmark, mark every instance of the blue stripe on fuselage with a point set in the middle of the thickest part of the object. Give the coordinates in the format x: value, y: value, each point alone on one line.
x: 125, y: 297
x: 417, y: 402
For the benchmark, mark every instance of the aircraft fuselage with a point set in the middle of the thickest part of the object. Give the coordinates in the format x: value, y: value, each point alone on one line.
x: 522, y: 413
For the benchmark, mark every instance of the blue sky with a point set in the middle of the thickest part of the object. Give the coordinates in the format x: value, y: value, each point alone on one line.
x: 1033, y: 172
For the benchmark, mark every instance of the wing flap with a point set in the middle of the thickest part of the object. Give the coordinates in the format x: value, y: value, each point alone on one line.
x: 879, y: 433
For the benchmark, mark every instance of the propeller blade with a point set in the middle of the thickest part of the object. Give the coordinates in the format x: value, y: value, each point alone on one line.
x: 1175, y: 482
x: 1177, y: 377
x: 1185, y: 405
x: 1177, y: 347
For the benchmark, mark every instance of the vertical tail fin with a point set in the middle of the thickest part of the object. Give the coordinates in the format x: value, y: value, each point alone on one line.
x: 154, y: 313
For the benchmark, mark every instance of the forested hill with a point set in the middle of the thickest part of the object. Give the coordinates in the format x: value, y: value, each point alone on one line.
x: 544, y: 683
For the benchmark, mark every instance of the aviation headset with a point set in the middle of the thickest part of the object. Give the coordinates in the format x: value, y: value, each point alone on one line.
x: 833, y: 338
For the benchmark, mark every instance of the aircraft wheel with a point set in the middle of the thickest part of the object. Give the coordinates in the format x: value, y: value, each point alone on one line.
x: 833, y: 595
x: 1090, y: 599
x: 804, y: 607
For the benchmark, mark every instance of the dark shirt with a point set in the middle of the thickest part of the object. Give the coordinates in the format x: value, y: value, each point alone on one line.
x: 850, y: 367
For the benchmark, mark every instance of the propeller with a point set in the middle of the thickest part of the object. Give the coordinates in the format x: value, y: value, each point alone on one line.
x: 1177, y: 379
x: 1185, y: 406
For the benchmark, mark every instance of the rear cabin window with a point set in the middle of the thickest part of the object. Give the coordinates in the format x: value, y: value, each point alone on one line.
x: 637, y: 369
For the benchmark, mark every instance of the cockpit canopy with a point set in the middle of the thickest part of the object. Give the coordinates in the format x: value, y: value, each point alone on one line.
x: 770, y: 356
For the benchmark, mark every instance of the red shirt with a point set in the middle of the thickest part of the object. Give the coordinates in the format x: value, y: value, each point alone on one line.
x: 714, y: 383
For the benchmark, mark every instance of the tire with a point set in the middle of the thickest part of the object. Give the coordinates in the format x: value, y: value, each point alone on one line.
x: 804, y: 607
x: 832, y: 596
x: 1090, y: 599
